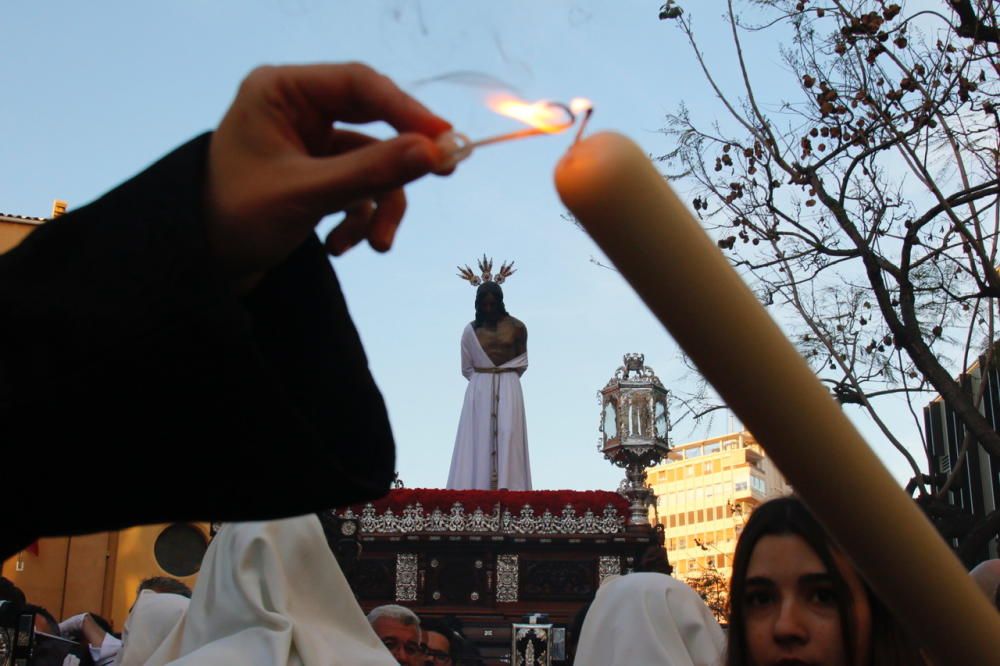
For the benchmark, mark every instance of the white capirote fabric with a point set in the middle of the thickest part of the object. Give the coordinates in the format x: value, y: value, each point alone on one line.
x: 272, y: 593
x: 150, y: 621
x: 471, y: 461
x: 649, y: 619
x: 986, y: 575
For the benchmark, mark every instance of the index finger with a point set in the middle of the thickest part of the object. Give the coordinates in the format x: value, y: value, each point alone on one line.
x: 356, y: 93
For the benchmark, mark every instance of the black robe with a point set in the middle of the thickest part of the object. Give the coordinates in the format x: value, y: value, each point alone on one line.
x: 136, y: 387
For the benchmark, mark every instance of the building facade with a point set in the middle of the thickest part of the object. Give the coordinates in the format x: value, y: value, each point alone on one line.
x: 705, y: 492
x: 977, y: 486
x: 13, y: 229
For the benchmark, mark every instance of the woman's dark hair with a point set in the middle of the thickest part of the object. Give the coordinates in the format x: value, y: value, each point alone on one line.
x: 789, y: 516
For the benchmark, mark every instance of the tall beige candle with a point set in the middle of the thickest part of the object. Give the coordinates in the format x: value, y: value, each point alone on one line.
x: 627, y: 207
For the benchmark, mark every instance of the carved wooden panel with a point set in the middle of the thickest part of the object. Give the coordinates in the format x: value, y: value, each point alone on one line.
x: 374, y: 578
x: 456, y: 579
x: 557, y: 580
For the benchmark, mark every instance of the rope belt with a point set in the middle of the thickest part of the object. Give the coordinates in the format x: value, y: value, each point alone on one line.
x: 494, y: 411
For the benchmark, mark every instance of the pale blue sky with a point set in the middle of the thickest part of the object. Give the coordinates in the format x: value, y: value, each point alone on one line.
x: 95, y: 91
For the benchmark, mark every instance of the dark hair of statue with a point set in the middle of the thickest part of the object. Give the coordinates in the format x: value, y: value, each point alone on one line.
x: 789, y: 516
x: 485, y: 289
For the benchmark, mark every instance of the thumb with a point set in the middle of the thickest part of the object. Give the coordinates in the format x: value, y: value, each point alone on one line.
x: 369, y: 171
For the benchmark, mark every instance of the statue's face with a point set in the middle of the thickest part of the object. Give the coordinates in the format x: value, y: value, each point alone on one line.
x: 488, y: 308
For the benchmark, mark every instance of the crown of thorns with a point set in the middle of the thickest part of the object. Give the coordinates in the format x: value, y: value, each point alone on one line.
x: 486, y: 272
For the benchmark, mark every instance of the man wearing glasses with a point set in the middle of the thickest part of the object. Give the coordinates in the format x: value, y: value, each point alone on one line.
x: 441, y: 644
x: 399, y: 630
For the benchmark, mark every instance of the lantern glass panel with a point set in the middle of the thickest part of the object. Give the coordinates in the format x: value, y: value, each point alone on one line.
x: 610, y: 420
x: 660, y: 420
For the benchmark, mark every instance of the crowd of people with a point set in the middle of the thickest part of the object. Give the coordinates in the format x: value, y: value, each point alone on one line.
x: 272, y: 593
x: 268, y: 593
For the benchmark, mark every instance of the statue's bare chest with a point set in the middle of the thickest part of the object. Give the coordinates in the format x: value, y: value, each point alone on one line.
x: 499, y: 343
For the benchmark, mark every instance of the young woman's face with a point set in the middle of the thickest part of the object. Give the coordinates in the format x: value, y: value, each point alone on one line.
x: 791, y: 609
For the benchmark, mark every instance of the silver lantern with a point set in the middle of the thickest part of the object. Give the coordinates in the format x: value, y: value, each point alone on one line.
x: 635, y: 424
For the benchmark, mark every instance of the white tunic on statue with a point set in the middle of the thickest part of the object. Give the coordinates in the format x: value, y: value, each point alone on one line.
x: 471, y: 461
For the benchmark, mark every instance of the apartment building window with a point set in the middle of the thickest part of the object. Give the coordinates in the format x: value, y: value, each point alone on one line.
x: 682, y: 542
x: 740, y: 485
x: 690, y: 517
x: 673, y: 520
x: 701, y: 516
x: 709, y: 467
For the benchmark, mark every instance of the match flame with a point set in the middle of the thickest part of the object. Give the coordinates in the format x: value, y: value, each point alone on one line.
x: 580, y: 105
x: 545, y: 116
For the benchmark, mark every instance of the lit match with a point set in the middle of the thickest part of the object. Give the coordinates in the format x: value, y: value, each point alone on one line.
x: 542, y: 117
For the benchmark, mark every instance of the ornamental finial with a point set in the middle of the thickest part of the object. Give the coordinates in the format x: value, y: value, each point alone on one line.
x: 486, y: 272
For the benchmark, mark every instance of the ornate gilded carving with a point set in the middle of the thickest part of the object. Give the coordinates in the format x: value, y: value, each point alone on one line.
x: 406, y: 577
x: 608, y: 565
x: 414, y: 519
x: 507, y: 572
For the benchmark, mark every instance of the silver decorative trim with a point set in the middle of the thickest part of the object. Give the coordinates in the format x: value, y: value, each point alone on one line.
x: 507, y: 578
x: 608, y: 565
x: 414, y: 519
x: 406, y: 577
x: 531, y: 635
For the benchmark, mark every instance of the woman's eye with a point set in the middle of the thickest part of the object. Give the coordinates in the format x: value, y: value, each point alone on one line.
x: 758, y: 598
x: 825, y: 596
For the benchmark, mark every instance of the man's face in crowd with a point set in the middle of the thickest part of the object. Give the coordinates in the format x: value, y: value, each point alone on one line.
x: 402, y: 640
x: 438, y: 649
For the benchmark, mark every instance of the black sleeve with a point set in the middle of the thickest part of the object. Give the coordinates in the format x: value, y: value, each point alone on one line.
x: 135, y: 387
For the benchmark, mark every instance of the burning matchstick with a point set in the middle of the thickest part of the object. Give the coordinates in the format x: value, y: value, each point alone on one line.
x: 543, y: 117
